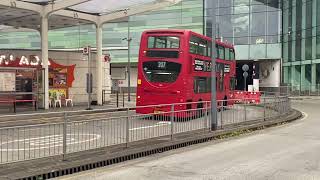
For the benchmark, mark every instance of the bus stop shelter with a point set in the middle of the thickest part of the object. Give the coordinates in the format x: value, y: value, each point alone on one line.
x: 45, y: 15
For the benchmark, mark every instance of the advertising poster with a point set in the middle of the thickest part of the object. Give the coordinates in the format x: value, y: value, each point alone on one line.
x: 7, y: 81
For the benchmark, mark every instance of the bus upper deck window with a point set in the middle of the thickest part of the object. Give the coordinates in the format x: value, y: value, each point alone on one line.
x: 163, y: 42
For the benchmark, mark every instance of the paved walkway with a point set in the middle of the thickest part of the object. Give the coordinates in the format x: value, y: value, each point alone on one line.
x: 109, y: 105
x: 289, y: 151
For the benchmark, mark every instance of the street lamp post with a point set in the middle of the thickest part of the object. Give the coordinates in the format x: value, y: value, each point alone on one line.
x: 128, y: 39
x: 214, y: 120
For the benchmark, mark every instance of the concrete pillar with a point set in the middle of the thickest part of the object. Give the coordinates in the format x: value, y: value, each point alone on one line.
x: 99, y: 64
x: 45, y: 59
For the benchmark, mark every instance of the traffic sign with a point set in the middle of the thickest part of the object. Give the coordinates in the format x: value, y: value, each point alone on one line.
x: 245, y: 67
x: 86, y: 50
x: 245, y: 74
x: 107, y: 58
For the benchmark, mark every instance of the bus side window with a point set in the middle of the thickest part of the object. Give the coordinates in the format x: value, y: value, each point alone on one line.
x: 227, y: 53
x: 217, y: 52
x: 232, y: 55
x: 221, y: 52
x: 209, y: 48
x: 202, y: 85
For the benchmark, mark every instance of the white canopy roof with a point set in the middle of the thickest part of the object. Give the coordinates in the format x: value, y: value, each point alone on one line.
x: 64, y: 13
x: 100, y: 6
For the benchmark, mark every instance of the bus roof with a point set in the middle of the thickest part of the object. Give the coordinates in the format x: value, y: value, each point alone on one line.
x: 182, y: 31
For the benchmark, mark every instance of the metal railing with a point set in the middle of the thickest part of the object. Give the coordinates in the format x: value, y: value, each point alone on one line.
x: 303, y: 90
x: 78, y: 131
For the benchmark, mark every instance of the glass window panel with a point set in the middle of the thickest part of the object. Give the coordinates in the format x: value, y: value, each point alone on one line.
x: 273, y: 4
x: 308, y: 48
x: 241, y: 2
x: 163, y: 42
x: 285, y: 51
x: 273, y: 23
x: 298, y: 46
x: 318, y: 73
x: 227, y: 53
x: 224, y: 26
x: 286, y: 74
x: 318, y: 29
x: 232, y: 55
x: 309, y: 30
x: 258, y: 8
x: 202, y: 85
x: 240, y: 25
x: 258, y: 24
x: 307, y: 73
x: 198, y: 46
x: 290, y: 50
x: 225, y: 3
x: 297, y: 75
x: 241, y: 40
x: 221, y: 52
x: 318, y: 45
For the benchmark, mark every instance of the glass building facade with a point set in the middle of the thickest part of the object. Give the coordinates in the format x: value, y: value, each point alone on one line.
x: 263, y: 30
x: 254, y: 26
x: 301, y: 43
x: 185, y: 15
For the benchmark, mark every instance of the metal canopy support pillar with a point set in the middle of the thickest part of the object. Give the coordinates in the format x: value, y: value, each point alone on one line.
x: 99, y: 64
x: 214, y: 121
x: 129, y: 64
x: 45, y: 59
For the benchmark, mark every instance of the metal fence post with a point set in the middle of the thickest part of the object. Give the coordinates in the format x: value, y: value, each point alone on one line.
x: 221, y: 115
x: 245, y: 110
x: 127, y: 128
x: 171, y: 120
x: 280, y: 106
x: 64, y: 145
x: 117, y: 98
x: 205, y: 121
x: 264, y: 108
x: 122, y: 99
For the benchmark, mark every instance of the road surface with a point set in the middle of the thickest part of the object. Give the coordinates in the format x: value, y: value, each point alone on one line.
x: 289, y: 151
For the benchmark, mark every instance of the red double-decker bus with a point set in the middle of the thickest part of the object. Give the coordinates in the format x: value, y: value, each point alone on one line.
x: 175, y: 67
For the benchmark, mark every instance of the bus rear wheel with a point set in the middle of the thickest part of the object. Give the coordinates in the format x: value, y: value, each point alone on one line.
x: 199, y: 111
x: 225, y: 103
